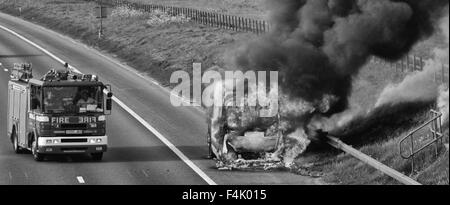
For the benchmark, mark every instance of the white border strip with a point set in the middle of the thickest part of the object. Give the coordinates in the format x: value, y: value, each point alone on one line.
x: 131, y: 112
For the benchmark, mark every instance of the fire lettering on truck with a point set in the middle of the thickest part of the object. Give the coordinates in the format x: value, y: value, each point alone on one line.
x: 60, y: 120
x: 87, y: 119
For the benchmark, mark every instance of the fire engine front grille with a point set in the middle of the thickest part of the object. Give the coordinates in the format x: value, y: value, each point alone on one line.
x: 74, y: 140
x: 73, y: 126
x: 74, y: 149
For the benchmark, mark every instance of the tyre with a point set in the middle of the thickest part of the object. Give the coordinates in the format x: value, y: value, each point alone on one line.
x: 37, y: 156
x: 15, y: 143
x: 97, y: 156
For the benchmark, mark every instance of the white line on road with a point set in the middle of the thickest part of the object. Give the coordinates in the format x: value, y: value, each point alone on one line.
x: 145, y: 173
x: 80, y: 180
x: 10, y: 176
x: 172, y: 147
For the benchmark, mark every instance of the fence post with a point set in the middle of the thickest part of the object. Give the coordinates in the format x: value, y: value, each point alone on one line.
x: 401, y: 63
x: 264, y: 26
x: 211, y: 16
x: 232, y: 23
x: 201, y: 17
x: 240, y: 24
x: 222, y: 21
x: 211, y: 20
x: 396, y: 66
x: 421, y: 63
x: 256, y: 26
x: 218, y: 20
x: 195, y: 15
x: 443, y: 73
x: 407, y: 62
x: 259, y: 26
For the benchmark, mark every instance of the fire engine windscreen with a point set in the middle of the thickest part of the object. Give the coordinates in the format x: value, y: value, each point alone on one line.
x: 72, y: 100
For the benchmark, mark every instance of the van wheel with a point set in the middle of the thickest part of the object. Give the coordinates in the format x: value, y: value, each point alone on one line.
x: 15, y: 142
x: 37, y: 156
x: 97, y: 156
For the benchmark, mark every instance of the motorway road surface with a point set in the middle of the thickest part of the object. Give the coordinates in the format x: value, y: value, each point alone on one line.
x: 135, y: 155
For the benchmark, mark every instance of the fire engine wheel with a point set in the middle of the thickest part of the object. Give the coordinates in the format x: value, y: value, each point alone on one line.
x: 37, y: 156
x: 16, y: 147
x: 97, y: 156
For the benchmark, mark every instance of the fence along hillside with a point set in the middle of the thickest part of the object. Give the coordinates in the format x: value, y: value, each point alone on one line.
x: 225, y: 21
x: 409, y: 63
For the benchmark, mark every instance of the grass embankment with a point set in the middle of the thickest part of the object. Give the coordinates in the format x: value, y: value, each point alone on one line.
x: 377, y: 135
x: 154, y: 44
x: 157, y: 45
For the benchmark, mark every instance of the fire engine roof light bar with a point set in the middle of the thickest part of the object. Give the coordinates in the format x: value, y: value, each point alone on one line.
x: 67, y: 74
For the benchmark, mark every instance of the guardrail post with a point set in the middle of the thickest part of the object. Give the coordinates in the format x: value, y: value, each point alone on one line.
x: 443, y: 73
x: 412, y: 154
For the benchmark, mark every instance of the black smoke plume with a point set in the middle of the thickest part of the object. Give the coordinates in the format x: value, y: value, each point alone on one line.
x: 319, y: 45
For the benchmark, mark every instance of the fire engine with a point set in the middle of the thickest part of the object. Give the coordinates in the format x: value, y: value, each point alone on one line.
x: 61, y: 113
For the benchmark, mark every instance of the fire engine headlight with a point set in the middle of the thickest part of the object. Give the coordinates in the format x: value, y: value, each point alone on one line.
x: 52, y: 141
x: 42, y: 118
x: 95, y: 140
x: 101, y: 118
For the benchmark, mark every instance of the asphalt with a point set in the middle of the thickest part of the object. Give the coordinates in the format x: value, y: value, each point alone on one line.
x: 135, y: 155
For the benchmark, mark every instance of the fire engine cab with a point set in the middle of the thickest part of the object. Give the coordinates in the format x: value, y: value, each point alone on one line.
x: 61, y: 113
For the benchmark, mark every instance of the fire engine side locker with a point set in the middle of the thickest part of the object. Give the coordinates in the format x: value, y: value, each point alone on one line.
x: 17, y: 111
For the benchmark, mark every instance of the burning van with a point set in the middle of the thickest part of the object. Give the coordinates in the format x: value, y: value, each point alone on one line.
x: 240, y: 137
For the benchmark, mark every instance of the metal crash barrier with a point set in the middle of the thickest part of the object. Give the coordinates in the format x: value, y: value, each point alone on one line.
x: 435, y: 130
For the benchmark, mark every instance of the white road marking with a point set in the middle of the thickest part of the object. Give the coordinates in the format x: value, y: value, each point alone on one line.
x: 129, y: 173
x: 80, y: 180
x: 6, y: 70
x: 26, y: 175
x: 10, y: 176
x: 145, y: 173
x: 183, y: 157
